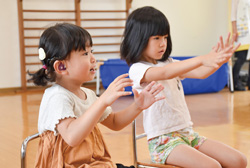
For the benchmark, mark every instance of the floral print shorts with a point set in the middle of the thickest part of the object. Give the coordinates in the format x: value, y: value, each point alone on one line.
x: 161, y: 146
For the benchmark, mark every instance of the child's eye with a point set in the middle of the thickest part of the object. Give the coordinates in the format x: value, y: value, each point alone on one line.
x: 86, y: 53
x: 156, y: 38
x: 92, y: 51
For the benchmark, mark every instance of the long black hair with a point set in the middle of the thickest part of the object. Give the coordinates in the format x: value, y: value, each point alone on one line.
x: 57, y: 42
x: 140, y: 25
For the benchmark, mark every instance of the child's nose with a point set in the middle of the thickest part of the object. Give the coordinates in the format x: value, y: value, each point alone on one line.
x: 92, y: 59
x: 163, y: 43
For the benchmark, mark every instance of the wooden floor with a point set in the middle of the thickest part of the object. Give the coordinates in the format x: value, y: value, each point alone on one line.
x: 223, y: 116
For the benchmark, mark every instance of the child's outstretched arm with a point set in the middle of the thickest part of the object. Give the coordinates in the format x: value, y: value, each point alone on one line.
x: 74, y: 131
x: 207, y: 69
x: 197, y: 67
x: 120, y: 119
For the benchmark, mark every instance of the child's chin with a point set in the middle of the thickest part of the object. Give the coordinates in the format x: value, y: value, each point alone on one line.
x: 93, y: 77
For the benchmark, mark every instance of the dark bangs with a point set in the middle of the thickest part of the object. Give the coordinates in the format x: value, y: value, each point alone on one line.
x: 156, y: 24
x: 81, y: 39
x: 58, y: 41
x: 141, y: 24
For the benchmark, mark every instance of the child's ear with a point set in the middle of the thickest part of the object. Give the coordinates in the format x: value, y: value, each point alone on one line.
x: 60, y: 67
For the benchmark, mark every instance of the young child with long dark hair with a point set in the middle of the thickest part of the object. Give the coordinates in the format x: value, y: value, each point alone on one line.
x: 146, y: 46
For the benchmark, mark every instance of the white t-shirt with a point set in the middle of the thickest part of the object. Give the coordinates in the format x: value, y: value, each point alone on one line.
x: 164, y: 116
x: 59, y: 103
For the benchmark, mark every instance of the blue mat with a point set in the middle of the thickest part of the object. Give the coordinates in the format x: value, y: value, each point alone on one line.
x: 214, y: 83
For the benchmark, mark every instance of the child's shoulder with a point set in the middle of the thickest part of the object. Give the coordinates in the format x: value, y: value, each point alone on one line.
x: 148, y: 64
x: 55, y: 88
x: 141, y: 64
x: 88, y: 91
x: 56, y: 92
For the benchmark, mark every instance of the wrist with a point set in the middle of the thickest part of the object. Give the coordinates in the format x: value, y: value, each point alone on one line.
x: 102, y: 101
x: 201, y: 60
x: 138, y: 107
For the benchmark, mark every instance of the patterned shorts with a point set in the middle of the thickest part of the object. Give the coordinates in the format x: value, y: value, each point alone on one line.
x: 161, y: 146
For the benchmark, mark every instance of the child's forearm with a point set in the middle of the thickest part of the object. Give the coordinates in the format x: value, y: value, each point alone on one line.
x: 118, y: 120
x: 172, y: 70
x: 201, y: 72
x: 74, y: 131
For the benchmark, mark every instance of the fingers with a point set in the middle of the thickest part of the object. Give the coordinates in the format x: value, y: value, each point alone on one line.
x: 228, y: 39
x: 124, y: 93
x: 228, y: 49
x: 159, y: 98
x: 156, y: 89
x: 124, y: 82
x: 236, y: 47
x: 120, y: 82
x: 117, y: 87
x: 215, y: 65
x: 120, y: 77
x: 136, y: 94
x: 216, y: 48
x: 150, y: 85
x: 222, y: 43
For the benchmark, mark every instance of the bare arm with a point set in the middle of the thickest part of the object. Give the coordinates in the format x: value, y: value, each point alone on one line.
x: 120, y: 119
x: 234, y: 9
x: 197, y: 67
x: 74, y: 131
x: 171, y: 70
x: 234, y: 29
x: 203, y: 72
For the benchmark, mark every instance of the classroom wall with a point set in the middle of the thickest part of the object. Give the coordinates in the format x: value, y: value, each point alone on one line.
x: 195, y: 24
x: 195, y: 27
x: 9, y: 45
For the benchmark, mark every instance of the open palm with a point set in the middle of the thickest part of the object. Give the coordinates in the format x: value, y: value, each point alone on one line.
x: 148, y: 95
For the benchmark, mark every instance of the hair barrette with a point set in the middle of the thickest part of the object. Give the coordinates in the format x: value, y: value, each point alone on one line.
x: 42, y: 54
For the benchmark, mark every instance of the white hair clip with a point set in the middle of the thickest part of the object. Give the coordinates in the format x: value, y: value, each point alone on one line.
x: 42, y: 54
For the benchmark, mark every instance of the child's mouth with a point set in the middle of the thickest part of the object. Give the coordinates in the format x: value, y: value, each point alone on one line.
x: 162, y: 51
x: 92, y: 69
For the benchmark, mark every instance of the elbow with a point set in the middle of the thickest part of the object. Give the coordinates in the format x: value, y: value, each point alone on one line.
x: 116, y: 128
x: 72, y: 142
x: 202, y: 77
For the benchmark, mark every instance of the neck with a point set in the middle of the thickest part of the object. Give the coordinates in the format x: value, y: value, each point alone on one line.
x: 149, y: 60
x: 72, y: 87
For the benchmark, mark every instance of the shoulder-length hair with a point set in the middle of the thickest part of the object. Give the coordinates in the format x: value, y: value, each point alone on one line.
x: 58, y: 42
x: 141, y: 24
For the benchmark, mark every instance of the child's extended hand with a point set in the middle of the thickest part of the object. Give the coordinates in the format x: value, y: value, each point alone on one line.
x: 221, y: 53
x: 116, y: 89
x: 228, y: 45
x: 148, y: 95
